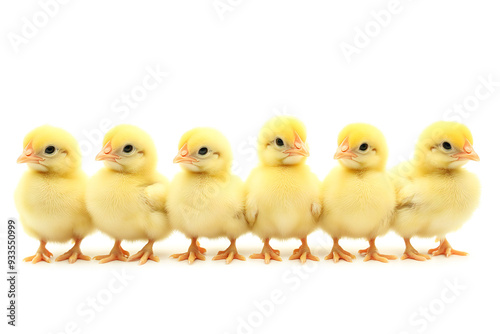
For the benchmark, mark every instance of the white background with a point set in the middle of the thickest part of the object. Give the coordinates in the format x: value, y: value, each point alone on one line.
x: 233, y: 72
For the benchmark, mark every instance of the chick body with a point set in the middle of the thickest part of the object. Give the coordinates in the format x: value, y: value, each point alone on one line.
x: 435, y: 195
x: 206, y: 200
x: 50, y: 196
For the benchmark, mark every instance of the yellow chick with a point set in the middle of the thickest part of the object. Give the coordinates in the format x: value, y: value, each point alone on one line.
x: 127, y: 197
x: 435, y: 195
x: 357, y: 196
x: 282, y: 194
x: 50, y: 197
x: 206, y: 200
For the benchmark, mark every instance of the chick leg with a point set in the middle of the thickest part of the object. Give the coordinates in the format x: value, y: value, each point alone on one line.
x: 230, y: 253
x: 194, y: 252
x: 145, y: 254
x: 412, y: 253
x: 268, y: 253
x: 373, y: 254
x: 444, y: 248
x: 42, y: 254
x: 303, y: 252
x: 338, y: 253
x: 74, y: 253
x: 116, y: 253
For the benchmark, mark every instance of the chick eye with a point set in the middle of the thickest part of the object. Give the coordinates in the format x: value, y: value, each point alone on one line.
x: 279, y: 142
x: 50, y: 149
x: 363, y: 147
x: 203, y: 151
x: 446, y: 145
x: 128, y: 148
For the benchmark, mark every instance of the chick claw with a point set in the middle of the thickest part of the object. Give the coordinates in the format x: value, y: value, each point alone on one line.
x: 42, y: 254
x: 145, y: 254
x: 268, y: 253
x: 373, y: 254
x: 412, y: 253
x: 194, y: 252
x: 303, y: 253
x: 444, y: 248
x: 338, y: 253
x: 229, y: 254
x: 116, y: 253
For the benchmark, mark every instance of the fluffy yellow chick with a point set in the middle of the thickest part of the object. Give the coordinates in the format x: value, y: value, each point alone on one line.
x: 357, y: 196
x: 282, y: 194
x: 206, y: 200
x: 50, y: 197
x: 435, y: 195
x: 127, y: 197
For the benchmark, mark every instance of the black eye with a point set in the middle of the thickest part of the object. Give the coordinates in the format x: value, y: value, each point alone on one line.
x: 446, y: 145
x: 363, y: 147
x: 279, y: 142
x: 128, y: 148
x: 50, y: 149
x: 203, y: 151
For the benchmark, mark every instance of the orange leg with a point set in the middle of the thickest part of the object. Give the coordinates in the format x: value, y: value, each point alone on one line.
x: 42, y: 254
x: 373, y: 254
x: 145, y: 254
x: 230, y: 253
x: 74, y: 253
x: 338, y: 253
x: 194, y: 252
x: 117, y: 253
x: 412, y: 253
x: 303, y: 252
x: 444, y: 248
x: 268, y: 253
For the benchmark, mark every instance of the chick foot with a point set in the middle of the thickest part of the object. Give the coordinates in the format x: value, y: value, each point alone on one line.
x: 412, y: 253
x: 117, y: 253
x: 444, y: 248
x: 230, y: 253
x: 373, y: 254
x: 338, y: 253
x: 268, y: 253
x: 145, y: 254
x: 201, y: 249
x: 42, y: 254
x: 195, y: 252
x: 74, y: 253
x: 303, y: 253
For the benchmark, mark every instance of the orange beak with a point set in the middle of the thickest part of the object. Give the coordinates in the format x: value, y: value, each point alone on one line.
x: 468, y: 153
x: 183, y: 156
x: 343, y: 151
x: 106, y: 154
x: 29, y: 155
x: 299, y: 148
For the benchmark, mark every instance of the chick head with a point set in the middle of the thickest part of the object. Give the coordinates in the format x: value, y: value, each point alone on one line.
x: 445, y: 145
x: 128, y: 149
x: 204, y: 150
x: 282, y: 141
x: 51, y: 150
x: 362, y: 146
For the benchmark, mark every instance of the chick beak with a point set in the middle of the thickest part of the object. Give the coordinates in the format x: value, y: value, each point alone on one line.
x: 29, y: 155
x: 299, y: 148
x: 183, y: 156
x: 343, y: 151
x: 106, y: 154
x: 468, y: 153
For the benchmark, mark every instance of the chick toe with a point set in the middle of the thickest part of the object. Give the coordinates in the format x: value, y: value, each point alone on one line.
x: 117, y: 253
x: 145, y: 254
x: 73, y: 254
x: 444, y: 248
x: 194, y: 253
x: 229, y: 254
x: 303, y: 253
x: 338, y: 253
x: 42, y: 254
x: 412, y: 253
x: 373, y: 254
x: 268, y: 253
